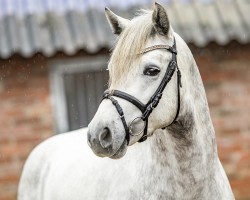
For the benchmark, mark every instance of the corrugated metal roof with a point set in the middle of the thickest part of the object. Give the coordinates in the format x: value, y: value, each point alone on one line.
x: 28, y: 26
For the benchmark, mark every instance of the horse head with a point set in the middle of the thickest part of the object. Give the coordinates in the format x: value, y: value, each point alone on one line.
x: 146, y: 49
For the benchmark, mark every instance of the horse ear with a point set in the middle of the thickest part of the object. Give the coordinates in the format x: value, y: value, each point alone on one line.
x: 117, y: 23
x: 160, y: 20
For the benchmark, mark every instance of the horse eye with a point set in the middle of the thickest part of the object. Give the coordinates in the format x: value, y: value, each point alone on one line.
x: 151, y: 70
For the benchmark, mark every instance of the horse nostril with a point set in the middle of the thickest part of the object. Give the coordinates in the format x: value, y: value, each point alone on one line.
x: 105, y: 138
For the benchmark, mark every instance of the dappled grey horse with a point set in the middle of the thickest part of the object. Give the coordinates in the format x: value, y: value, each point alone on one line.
x: 156, y: 97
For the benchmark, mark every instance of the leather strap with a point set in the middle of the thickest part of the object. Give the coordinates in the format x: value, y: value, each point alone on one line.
x: 145, y: 133
x: 129, y: 98
x: 155, y: 99
x: 179, y: 85
x: 121, y: 113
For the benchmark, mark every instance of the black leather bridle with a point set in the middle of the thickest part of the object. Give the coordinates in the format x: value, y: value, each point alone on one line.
x: 147, y: 108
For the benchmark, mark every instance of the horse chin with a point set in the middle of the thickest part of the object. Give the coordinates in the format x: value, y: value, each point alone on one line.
x: 121, y: 151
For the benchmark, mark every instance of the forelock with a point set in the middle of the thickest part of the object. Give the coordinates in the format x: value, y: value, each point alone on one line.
x: 129, y: 44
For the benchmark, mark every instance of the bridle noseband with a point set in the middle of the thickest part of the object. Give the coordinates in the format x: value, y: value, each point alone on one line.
x: 147, y: 109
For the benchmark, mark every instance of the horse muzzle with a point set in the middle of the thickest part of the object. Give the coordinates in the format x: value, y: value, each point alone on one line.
x: 104, y: 143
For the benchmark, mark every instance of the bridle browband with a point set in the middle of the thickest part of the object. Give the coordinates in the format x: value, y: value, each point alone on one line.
x: 147, y: 108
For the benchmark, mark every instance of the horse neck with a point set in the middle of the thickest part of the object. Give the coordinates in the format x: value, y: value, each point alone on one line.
x: 187, y: 150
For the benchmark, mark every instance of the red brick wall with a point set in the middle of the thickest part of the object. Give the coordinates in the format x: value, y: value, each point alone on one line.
x: 26, y: 113
x: 25, y: 116
x: 226, y: 75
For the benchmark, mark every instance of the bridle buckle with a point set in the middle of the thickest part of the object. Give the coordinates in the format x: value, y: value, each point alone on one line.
x: 131, y: 127
x: 152, y: 107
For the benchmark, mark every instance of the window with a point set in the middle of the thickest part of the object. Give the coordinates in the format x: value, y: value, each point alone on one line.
x: 77, y: 86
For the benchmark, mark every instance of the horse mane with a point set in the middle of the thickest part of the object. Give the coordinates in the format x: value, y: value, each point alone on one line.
x: 129, y: 44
